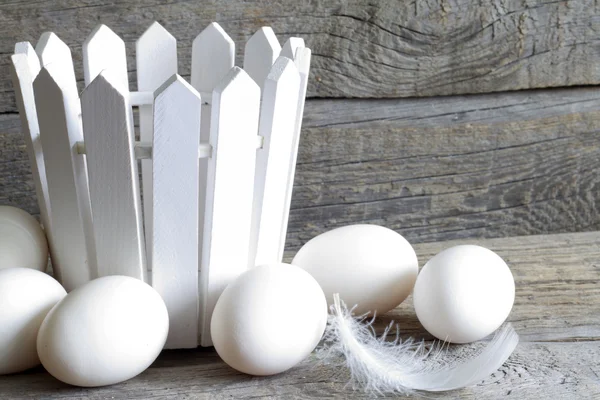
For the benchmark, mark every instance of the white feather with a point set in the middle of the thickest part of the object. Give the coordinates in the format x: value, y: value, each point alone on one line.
x: 382, y: 366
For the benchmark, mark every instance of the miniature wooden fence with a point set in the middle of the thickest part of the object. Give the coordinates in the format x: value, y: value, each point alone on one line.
x: 217, y: 157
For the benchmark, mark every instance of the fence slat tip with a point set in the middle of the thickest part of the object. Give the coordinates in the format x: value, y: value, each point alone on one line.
x: 291, y: 46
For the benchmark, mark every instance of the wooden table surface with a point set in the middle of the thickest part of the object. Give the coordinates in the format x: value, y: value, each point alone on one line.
x: 556, y: 313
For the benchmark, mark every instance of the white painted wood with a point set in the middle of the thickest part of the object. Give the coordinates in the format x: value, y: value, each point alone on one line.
x: 302, y: 61
x: 114, y: 187
x: 50, y: 49
x: 175, y: 161
x: 235, y: 113
x: 291, y: 46
x: 25, y: 67
x: 156, y: 60
x: 143, y: 150
x: 213, y: 55
x: 273, y: 162
x: 141, y: 98
x: 27, y: 49
x: 58, y: 110
x: 261, y: 51
x: 104, y: 50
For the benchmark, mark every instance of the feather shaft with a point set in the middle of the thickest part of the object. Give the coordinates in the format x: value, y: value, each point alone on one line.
x: 381, y: 366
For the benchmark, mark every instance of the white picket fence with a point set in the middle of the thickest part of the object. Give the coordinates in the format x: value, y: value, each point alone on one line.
x: 217, y: 156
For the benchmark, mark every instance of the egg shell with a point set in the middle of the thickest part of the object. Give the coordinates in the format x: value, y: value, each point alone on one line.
x: 269, y: 319
x: 464, y: 293
x: 104, y: 332
x: 23, y: 243
x: 26, y: 296
x: 370, y: 266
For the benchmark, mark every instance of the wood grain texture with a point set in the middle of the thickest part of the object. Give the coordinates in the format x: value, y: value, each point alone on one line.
x: 213, y: 55
x: 302, y: 60
x: 445, y: 168
x: 175, y: 242
x: 260, y: 52
x: 104, y: 50
x: 274, y: 161
x: 433, y: 169
x: 229, y: 190
x: 113, y: 177
x: 24, y: 69
x: 156, y: 61
x: 555, y: 359
x: 59, y: 110
x: 362, y: 48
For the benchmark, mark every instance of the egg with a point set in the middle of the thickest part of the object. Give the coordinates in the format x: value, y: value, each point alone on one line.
x: 269, y: 319
x: 370, y: 266
x: 22, y: 241
x: 464, y: 293
x: 26, y: 296
x: 104, y: 332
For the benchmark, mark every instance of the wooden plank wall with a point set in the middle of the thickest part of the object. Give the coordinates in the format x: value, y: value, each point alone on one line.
x: 379, y: 144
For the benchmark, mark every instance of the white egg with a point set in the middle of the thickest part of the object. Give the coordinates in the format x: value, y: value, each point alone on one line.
x: 26, y: 296
x: 22, y: 241
x: 104, y: 332
x: 464, y: 294
x: 269, y: 319
x: 370, y: 266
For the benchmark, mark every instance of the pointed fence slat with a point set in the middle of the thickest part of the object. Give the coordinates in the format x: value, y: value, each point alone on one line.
x: 58, y: 109
x: 302, y: 61
x: 27, y: 49
x: 261, y: 51
x: 213, y: 55
x: 291, y: 46
x: 156, y: 60
x: 274, y: 161
x: 235, y: 113
x: 104, y: 50
x: 25, y: 67
x: 177, y: 108
x: 114, y: 188
x: 51, y: 50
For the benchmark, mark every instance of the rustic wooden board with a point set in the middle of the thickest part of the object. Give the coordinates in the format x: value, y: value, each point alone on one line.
x: 446, y: 168
x: 434, y: 168
x: 555, y: 359
x: 361, y: 48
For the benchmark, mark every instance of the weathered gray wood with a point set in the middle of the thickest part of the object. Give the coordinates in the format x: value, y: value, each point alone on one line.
x: 445, y: 168
x: 433, y: 169
x: 557, y: 279
x: 386, y: 48
x: 557, y: 294
x: 535, y: 371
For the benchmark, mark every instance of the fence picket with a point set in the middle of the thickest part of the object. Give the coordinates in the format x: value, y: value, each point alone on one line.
x: 177, y: 107
x: 156, y: 60
x: 50, y: 49
x: 302, y: 61
x: 104, y: 50
x: 25, y: 67
x: 213, y: 55
x: 58, y: 110
x: 273, y: 162
x: 291, y: 46
x: 261, y: 51
x: 226, y: 239
x: 114, y: 187
x: 27, y: 49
